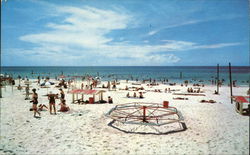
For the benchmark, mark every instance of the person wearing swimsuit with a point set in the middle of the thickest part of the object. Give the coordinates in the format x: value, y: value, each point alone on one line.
x: 62, y: 94
x: 52, y: 102
x: 35, y: 102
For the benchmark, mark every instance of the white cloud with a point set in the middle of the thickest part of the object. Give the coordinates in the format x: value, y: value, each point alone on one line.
x: 190, y: 22
x: 152, y: 32
x: 219, y: 45
x: 83, y: 34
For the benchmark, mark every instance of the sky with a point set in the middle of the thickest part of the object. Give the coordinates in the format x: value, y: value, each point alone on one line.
x: 124, y: 32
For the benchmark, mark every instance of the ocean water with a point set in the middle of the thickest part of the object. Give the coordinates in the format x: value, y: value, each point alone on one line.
x: 172, y: 73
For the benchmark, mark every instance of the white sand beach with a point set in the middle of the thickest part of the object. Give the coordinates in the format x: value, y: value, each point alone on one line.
x: 211, y: 128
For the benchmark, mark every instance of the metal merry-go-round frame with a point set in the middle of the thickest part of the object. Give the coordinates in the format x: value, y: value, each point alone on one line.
x: 151, y: 115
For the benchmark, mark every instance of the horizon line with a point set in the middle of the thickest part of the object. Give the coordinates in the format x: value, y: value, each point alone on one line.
x: 138, y: 66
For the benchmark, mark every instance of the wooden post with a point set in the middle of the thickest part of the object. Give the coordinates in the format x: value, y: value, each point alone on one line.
x: 1, y: 91
x: 230, y: 78
x: 144, y: 114
x: 218, y: 78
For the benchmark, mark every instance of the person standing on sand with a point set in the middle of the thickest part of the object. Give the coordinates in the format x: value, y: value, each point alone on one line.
x: 52, y: 102
x: 35, y: 102
x: 62, y: 94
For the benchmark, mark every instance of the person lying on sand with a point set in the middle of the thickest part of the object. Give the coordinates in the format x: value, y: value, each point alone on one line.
x: 40, y: 107
x: 180, y: 98
x: 208, y: 101
x: 64, y: 107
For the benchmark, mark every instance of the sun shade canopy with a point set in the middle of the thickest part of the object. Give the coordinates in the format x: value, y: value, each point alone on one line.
x: 86, y: 92
x: 241, y: 99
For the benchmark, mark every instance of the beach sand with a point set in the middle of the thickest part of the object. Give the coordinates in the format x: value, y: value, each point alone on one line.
x: 211, y: 128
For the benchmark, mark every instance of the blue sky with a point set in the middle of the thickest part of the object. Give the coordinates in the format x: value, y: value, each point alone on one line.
x: 124, y: 33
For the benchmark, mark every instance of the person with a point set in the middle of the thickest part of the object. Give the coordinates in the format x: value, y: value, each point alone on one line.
x: 27, y: 92
x: 128, y: 95
x: 110, y: 100
x: 108, y: 85
x: 38, y: 80
x: 134, y: 94
x: 40, y: 107
x: 13, y: 82
x: 64, y: 107
x: 141, y: 96
x: 62, y: 94
x: 35, y: 102
x: 52, y: 102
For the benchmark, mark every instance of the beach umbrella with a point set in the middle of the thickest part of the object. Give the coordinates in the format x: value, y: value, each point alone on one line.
x: 47, y: 84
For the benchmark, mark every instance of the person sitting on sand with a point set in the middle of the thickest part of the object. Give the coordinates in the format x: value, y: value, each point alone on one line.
x: 110, y: 100
x: 40, y: 107
x: 134, y: 94
x: 141, y: 96
x: 35, y: 102
x: 64, y: 107
x: 52, y: 102
x: 128, y: 95
x: 126, y: 88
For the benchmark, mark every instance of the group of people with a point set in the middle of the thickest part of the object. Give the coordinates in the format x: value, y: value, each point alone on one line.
x: 134, y: 95
x: 190, y: 90
x: 52, y: 100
